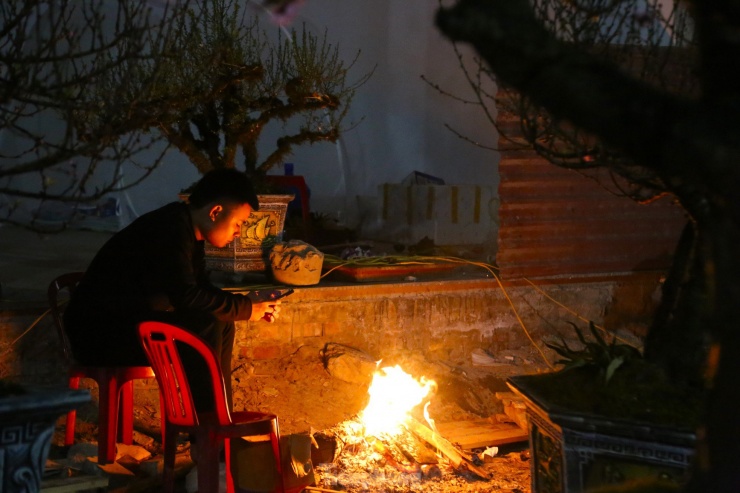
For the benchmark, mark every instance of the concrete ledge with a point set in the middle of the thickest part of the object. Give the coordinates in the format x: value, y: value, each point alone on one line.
x: 449, y: 318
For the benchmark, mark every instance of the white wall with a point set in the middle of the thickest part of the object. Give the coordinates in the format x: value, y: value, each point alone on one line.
x: 403, y: 128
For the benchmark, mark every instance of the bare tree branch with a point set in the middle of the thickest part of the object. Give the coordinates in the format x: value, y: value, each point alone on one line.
x: 231, y: 81
x: 52, y: 54
x: 650, y: 41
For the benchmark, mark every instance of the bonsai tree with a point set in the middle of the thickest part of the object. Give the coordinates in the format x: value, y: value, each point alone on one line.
x: 688, y: 144
x: 214, y: 102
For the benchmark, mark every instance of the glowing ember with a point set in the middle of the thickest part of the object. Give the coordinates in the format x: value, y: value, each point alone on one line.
x: 393, y: 394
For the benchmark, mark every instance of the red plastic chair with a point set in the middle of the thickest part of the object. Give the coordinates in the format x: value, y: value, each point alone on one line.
x: 116, y: 403
x: 160, y: 341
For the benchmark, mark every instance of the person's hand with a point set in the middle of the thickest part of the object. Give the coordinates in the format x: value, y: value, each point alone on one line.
x: 267, y: 310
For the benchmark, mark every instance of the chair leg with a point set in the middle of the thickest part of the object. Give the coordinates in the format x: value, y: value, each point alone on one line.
x: 69, y: 432
x: 126, y: 413
x: 107, y: 420
x: 162, y: 416
x: 275, y: 440
x: 229, y: 479
x: 168, y: 471
x: 207, y: 451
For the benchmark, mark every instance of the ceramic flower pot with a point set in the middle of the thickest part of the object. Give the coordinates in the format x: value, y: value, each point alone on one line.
x: 27, y: 423
x: 574, y: 452
x: 249, y: 252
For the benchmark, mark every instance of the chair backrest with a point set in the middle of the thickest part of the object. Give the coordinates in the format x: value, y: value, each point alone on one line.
x: 160, y: 341
x: 58, y: 293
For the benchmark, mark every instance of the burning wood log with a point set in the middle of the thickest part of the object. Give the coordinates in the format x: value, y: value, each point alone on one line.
x: 456, y: 458
x: 405, y: 453
x: 383, y: 450
x: 419, y: 449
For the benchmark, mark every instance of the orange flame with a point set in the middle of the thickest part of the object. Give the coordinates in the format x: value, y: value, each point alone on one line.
x: 393, y: 394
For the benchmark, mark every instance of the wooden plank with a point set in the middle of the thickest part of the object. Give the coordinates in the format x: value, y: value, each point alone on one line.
x: 458, y: 459
x: 73, y: 484
x: 508, y: 396
x: 481, y: 433
x: 60, y: 477
x: 496, y: 431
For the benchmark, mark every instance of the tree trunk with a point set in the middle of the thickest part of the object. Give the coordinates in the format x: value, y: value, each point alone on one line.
x: 676, y: 341
x: 717, y: 468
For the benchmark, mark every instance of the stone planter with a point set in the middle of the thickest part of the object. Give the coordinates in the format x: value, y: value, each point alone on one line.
x: 575, y: 452
x: 249, y: 252
x: 26, y: 427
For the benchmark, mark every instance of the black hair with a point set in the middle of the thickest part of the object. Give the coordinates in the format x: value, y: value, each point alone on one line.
x: 224, y: 184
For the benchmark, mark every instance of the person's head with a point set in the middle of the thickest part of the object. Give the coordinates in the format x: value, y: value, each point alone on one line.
x: 220, y: 202
x: 224, y: 185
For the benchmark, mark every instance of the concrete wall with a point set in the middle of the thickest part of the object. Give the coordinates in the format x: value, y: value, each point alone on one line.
x: 448, y: 320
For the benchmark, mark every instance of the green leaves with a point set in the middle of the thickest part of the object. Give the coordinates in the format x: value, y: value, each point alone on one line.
x: 605, y: 356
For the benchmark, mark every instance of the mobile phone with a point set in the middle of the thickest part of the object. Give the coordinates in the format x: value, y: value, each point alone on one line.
x: 277, y: 294
x: 271, y: 295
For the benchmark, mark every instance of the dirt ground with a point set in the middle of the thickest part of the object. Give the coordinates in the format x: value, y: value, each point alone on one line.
x: 307, y: 398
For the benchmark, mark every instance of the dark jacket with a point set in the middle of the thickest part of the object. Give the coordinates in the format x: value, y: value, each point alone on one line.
x: 152, y: 268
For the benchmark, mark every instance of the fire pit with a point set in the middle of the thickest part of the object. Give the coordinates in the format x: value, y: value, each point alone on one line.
x: 405, y: 464
x: 380, y: 438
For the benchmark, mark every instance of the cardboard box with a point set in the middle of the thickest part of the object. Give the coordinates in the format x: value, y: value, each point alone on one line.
x: 254, y: 470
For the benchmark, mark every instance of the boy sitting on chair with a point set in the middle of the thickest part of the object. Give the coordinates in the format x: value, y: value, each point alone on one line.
x: 154, y: 269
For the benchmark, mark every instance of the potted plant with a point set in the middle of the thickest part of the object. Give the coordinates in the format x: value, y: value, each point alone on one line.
x: 607, y: 416
x: 229, y: 83
x: 27, y: 420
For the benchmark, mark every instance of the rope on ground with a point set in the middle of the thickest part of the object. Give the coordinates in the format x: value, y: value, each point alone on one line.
x: 28, y: 329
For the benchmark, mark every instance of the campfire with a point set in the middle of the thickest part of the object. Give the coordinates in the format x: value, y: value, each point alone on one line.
x: 393, y: 394
x: 336, y: 398
x: 386, y: 448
